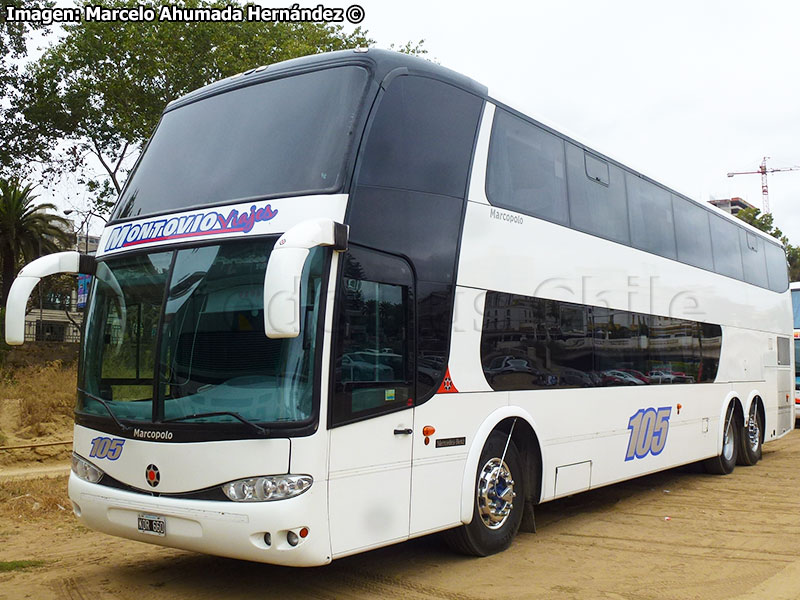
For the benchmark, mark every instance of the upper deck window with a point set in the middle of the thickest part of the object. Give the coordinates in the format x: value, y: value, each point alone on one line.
x: 597, y: 202
x: 650, y: 211
x: 692, y: 233
x: 753, y: 258
x: 777, y: 269
x: 287, y: 136
x: 526, y: 169
x: 726, y: 250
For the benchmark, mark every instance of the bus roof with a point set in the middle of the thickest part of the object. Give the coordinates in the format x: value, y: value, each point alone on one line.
x: 382, y: 62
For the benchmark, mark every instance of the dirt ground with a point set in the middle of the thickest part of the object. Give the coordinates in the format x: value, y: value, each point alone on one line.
x: 679, y: 534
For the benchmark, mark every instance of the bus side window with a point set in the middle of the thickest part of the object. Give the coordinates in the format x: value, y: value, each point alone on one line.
x: 725, y: 246
x: 777, y: 267
x: 526, y: 169
x: 373, y: 362
x: 753, y: 259
x: 597, y: 203
x: 692, y: 233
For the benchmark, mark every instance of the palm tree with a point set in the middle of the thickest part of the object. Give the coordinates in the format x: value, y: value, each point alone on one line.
x: 27, y: 230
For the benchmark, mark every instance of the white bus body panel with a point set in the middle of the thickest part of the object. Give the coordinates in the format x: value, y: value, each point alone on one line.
x: 533, y: 257
x: 588, y: 428
x: 370, y: 483
x: 235, y: 530
x: 187, y: 466
x: 224, y: 528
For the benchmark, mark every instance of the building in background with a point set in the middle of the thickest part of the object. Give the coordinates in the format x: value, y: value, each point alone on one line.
x: 731, y: 205
x: 57, y: 316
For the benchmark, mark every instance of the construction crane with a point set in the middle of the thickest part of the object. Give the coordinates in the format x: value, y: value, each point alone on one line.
x: 763, y: 170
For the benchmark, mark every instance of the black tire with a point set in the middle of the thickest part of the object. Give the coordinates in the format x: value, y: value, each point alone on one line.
x: 491, y: 530
x: 751, y: 437
x: 726, y: 461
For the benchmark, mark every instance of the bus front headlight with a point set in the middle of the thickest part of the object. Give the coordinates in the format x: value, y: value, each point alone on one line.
x: 85, y: 470
x: 267, y: 488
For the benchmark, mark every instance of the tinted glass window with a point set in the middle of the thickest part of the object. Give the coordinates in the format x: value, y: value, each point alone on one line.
x: 286, y: 136
x: 753, y: 258
x: 596, y: 207
x: 525, y: 170
x: 777, y: 267
x: 692, y: 233
x: 596, y: 169
x: 421, y: 138
x: 373, y: 364
x: 710, y: 346
x: 186, y: 327
x: 725, y: 244
x: 650, y: 210
x: 620, y: 346
x: 533, y: 343
x: 119, y: 360
x: 673, y: 350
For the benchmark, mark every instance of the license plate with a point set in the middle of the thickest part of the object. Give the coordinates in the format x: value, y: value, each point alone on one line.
x: 152, y: 525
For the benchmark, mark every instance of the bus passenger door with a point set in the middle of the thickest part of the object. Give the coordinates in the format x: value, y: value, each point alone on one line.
x: 371, y: 403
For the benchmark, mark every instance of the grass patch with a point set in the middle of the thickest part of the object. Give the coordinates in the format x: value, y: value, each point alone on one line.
x: 46, y: 394
x: 19, y: 565
x: 34, y: 499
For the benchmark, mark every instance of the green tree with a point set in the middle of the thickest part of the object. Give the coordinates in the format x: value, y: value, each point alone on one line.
x: 27, y: 230
x: 19, y: 139
x: 765, y: 223
x: 103, y: 86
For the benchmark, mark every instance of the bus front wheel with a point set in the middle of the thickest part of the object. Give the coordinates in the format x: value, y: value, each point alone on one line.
x: 726, y: 461
x: 499, y: 500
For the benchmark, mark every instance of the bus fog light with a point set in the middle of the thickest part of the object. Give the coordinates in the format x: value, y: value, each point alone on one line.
x: 267, y: 488
x: 85, y: 470
x: 292, y: 538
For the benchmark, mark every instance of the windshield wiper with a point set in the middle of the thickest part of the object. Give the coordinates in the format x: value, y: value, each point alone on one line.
x: 220, y: 413
x: 107, y: 407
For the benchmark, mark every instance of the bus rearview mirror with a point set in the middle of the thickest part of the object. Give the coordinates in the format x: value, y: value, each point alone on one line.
x: 285, y: 269
x: 29, y: 276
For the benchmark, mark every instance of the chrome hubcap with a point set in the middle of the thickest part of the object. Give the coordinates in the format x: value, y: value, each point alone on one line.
x: 495, y: 493
x: 727, y: 444
x: 753, y: 431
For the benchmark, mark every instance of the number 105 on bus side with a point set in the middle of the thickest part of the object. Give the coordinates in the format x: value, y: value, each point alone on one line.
x: 649, y: 428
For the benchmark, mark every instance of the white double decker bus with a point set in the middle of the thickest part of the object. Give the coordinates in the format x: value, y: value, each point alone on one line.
x: 352, y: 299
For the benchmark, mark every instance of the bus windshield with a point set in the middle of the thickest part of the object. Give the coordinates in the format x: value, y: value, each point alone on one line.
x: 180, y: 333
x: 283, y: 137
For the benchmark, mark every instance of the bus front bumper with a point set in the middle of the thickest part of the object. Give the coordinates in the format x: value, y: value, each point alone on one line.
x: 257, y: 531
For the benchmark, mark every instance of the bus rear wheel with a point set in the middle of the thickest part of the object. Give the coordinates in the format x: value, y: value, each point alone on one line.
x: 751, y: 437
x: 499, y: 501
x: 726, y: 461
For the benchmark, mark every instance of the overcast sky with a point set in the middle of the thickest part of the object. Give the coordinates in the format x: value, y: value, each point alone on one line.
x: 683, y: 91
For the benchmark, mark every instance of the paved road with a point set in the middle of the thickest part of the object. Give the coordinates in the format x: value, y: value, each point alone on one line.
x: 726, y: 537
